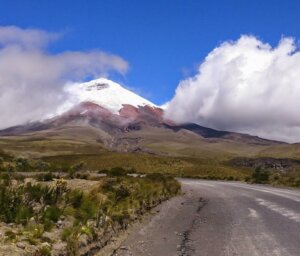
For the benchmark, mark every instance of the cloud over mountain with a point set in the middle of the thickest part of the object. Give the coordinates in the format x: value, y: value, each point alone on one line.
x: 32, y: 79
x: 245, y: 86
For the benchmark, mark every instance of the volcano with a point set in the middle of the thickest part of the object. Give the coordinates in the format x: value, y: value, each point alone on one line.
x: 121, y: 120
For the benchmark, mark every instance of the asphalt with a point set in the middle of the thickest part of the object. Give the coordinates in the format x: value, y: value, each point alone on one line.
x: 220, y: 218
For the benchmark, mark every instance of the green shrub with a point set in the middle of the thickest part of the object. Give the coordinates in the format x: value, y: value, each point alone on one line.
x: 44, y: 251
x: 83, y: 176
x: 10, y: 235
x: 247, y: 179
x: 33, y: 233
x: 74, y: 198
x: 23, y: 214
x: 88, y: 209
x: 120, y: 217
x: 70, y: 235
x: 40, y: 193
x: 78, y: 167
x: 16, y: 203
x: 156, y: 177
x: 22, y: 164
x: 74, y: 169
x: 72, y: 246
x: 230, y: 178
x: 66, y: 233
x: 52, y: 213
x: 117, y: 200
x: 121, y: 192
x: 45, y: 177
x: 42, y: 166
x: 35, y: 230
x: 86, y: 230
x: 10, y: 203
x: 260, y: 176
x: 6, y: 179
x: 48, y: 225
x: 19, y: 177
x: 117, y: 172
x: 108, y: 185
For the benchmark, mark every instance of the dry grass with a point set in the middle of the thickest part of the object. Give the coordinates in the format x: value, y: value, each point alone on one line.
x: 182, y: 153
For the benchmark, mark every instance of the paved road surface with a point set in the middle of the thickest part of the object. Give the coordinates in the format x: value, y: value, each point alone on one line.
x: 221, y: 218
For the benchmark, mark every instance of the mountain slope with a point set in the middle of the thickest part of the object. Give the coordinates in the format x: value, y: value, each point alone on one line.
x: 105, y: 125
x: 120, y: 120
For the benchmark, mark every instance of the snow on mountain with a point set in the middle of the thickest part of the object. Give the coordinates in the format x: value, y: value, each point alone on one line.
x: 103, y: 92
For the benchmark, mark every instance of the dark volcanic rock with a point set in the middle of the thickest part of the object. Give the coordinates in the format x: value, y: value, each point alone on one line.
x: 282, y: 164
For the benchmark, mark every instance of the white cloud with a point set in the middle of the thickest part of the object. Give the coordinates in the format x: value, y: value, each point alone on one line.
x: 28, y: 38
x: 32, y: 80
x: 245, y: 86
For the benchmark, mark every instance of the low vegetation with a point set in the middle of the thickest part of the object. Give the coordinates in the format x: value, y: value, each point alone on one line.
x: 273, y: 171
x: 207, y: 168
x: 277, y: 178
x: 266, y: 170
x: 47, y: 214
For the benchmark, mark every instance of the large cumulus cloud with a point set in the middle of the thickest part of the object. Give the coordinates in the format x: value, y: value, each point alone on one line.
x: 32, y: 79
x: 245, y: 86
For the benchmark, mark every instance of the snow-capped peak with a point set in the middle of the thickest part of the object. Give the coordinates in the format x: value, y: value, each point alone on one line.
x: 103, y: 92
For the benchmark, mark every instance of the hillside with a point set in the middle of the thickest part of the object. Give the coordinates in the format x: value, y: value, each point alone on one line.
x: 130, y: 131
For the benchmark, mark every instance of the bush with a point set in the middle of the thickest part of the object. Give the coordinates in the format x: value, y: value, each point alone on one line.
x: 19, y: 177
x: 74, y: 198
x: 82, y: 206
x: 247, y: 179
x: 8, y: 168
x: 66, y: 233
x: 87, y: 209
x: 52, y: 213
x: 35, y: 231
x: 22, y: 164
x: 44, y: 251
x: 23, y: 214
x: 74, y: 169
x: 42, y: 166
x: 120, y: 217
x: 45, y: 177
x: 156, y: 177
x: 6, y: 179
x: 260, y: 176
x: 17, y: 203
x: 11, y: 203
x: 48, y: 225
x: 117, y: 172
x: 84, y: 176
x: 70, y: 235
x: 10, y: 235
x: 39, y: 193
x: 121, y: 192
x: 73, y: 246
x: 117, y: 201
x: 78, y: 167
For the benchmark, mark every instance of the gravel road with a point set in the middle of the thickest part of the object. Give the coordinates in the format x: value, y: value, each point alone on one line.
x: 220, y: 218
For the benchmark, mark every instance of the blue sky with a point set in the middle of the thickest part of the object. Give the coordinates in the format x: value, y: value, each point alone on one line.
x: 163, y: 41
